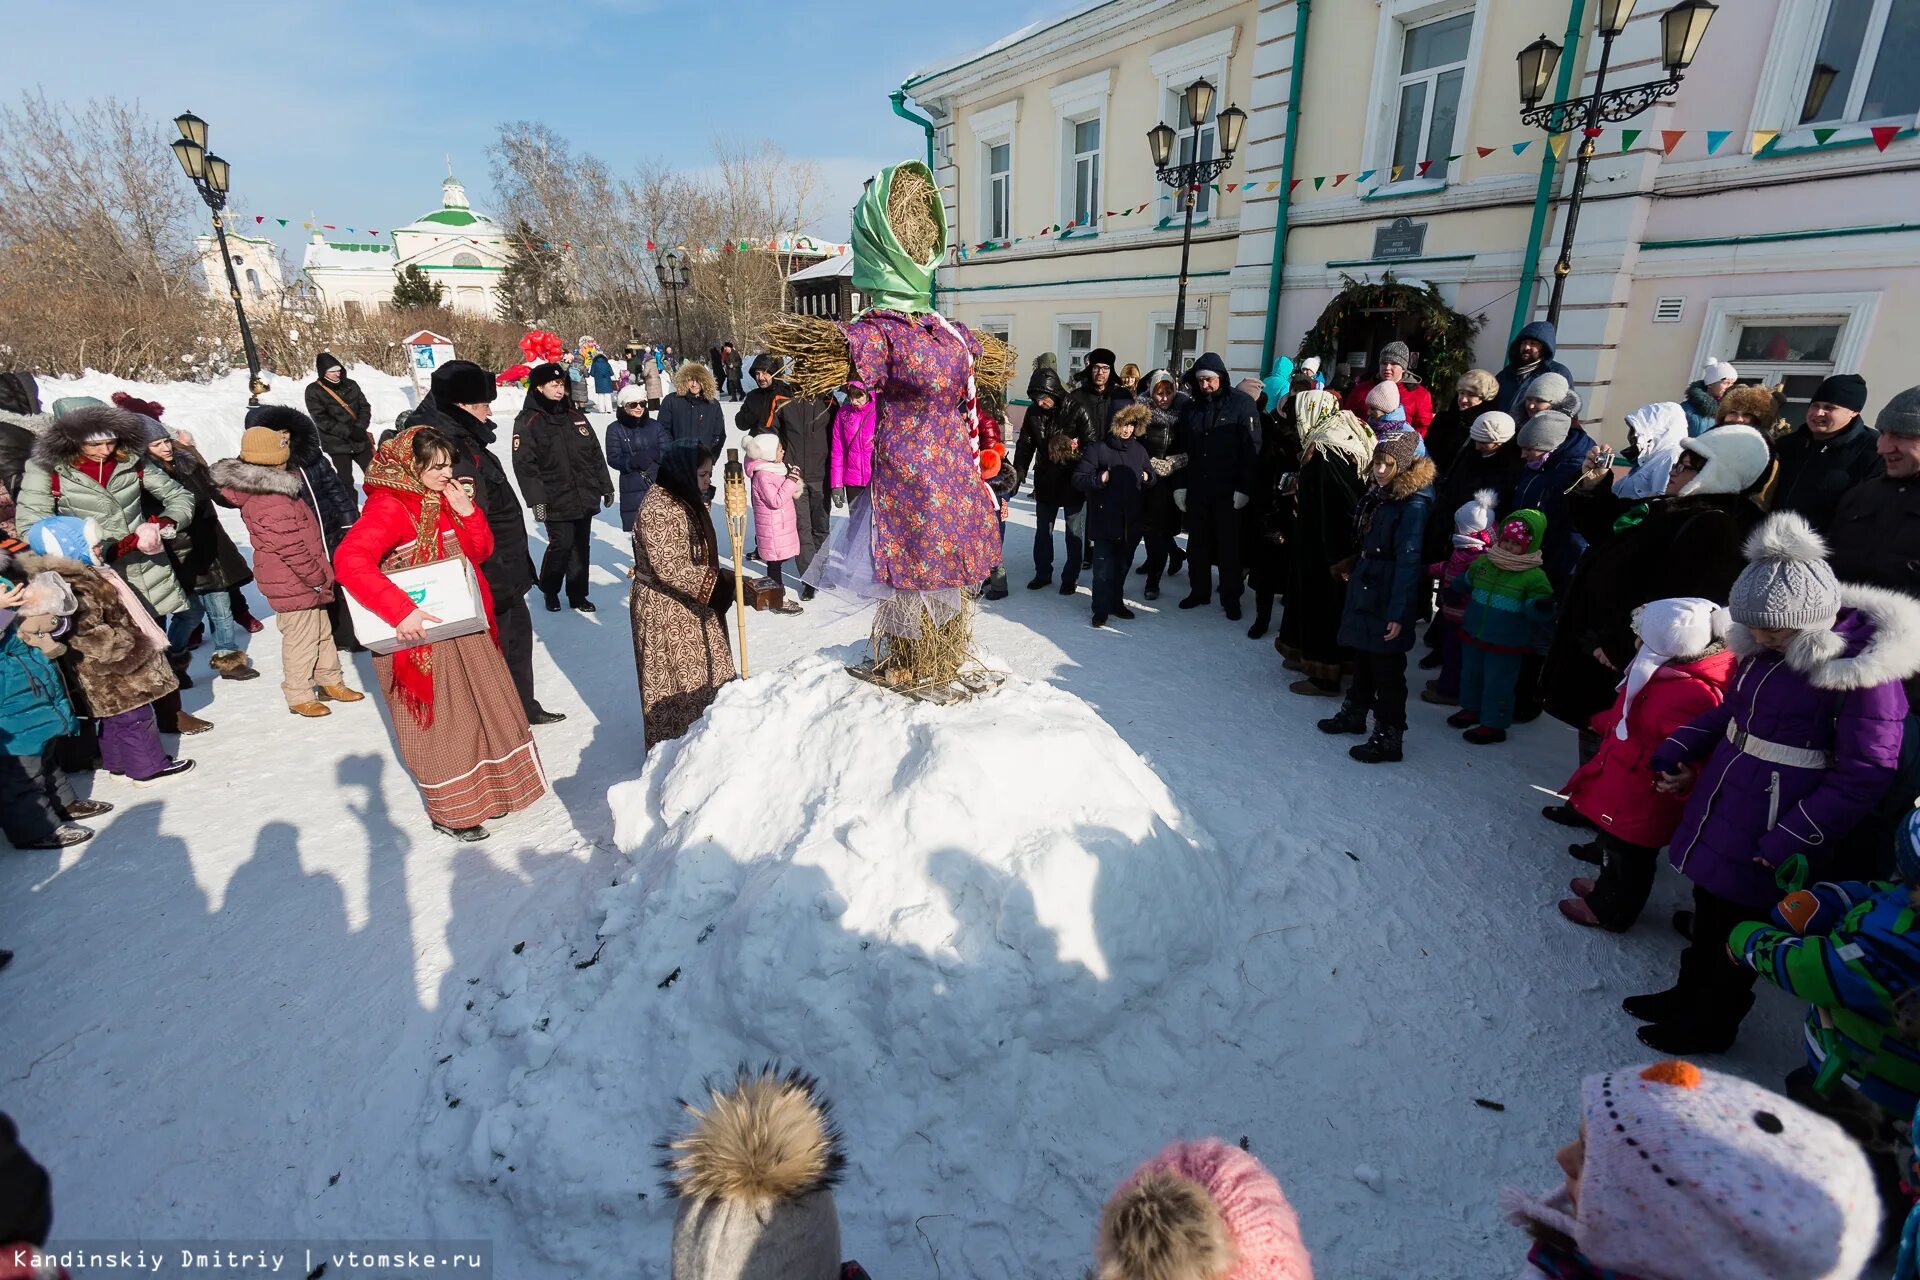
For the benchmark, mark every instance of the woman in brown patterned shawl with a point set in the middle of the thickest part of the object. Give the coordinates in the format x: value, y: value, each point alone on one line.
x: 680, y: 597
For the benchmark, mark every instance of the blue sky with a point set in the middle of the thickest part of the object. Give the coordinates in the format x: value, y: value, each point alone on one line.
x: 346, y: 110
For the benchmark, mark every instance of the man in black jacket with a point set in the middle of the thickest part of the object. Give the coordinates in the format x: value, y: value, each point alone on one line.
x: 564, y: 479
x: 693, y: 411
x: 756, y: 411
x: 1220, y: 434
x: 1831, y: 454
x: 1091, y: 404
x: 805, y: 426
x: 1045, y: 444
x: 459, y: 406
x: 730, y: 368
x: 341, y: 412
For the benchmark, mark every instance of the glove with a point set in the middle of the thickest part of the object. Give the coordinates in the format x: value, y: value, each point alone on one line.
x: 1240, y: 501
x: 1180, y: 499
x: 147, y: 539
x: 839, y: 495
x: 606, y: 500
x: 1162, y: 467
x: 540, y: 512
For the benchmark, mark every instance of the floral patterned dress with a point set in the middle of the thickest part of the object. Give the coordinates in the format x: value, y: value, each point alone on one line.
x: 934, y: 523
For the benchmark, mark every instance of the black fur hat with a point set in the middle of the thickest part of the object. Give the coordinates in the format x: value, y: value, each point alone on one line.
x: 463, y: 382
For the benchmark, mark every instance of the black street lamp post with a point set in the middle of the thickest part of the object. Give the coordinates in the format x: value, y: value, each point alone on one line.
x: 674, y: 274
x: 210, y: 176
x: 1188, y: 178
x: 1681, y: 30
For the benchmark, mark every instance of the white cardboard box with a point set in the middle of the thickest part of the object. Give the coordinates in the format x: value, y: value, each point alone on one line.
x: 446, y: 589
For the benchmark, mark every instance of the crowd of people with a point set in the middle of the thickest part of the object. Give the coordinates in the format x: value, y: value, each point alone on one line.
x: 1724, y: 611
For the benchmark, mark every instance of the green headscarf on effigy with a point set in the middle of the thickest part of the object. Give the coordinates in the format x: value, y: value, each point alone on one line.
x: 883, y: 272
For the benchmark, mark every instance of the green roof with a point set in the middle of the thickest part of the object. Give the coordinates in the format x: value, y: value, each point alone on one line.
x: 454, y: 218
x: 361, y: 248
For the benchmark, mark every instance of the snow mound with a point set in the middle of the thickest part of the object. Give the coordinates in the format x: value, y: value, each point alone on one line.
x: 972, y: 923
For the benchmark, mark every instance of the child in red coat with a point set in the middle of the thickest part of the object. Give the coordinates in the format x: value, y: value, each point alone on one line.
x: 1680, y: 671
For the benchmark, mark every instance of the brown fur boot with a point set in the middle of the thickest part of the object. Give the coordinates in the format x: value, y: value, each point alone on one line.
x: 233, y: 665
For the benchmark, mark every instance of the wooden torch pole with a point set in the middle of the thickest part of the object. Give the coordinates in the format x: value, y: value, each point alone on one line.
x: 736, y: 496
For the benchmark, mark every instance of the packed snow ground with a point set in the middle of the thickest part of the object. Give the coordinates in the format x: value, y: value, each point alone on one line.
x: 1132, y: 896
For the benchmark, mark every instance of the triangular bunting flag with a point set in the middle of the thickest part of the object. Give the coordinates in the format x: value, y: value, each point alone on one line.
x: 281, y: 221
x: 1318, y: 182
x: 1885, y: 133
x: 1339, y: 178
x: 259, y: 218
x: 1715, y: 137
x: 1822, y: 136
x: 1396, y: 172
x: 649, y: 246
x: 1215, y: 186
x: 1762, y: 138
x: 329, y: 226
x: 1519, y: 148
x: 1628, y: 137
x: 373, y: 231
x: 1484, y: 151
x: 1670, y: 138
x: 1559, y: 144
x: 1424, y: 166
x: 306, y: 226
x: 1360, y: 179
x: 1451, y: 159
x: 1273, y: 186
x: 1294, y: 185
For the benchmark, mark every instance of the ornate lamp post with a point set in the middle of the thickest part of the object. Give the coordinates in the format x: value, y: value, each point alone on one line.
x: 1681, y: 30
x: 1188, y: 178
x: 674, y: 274
x: 209, y: 175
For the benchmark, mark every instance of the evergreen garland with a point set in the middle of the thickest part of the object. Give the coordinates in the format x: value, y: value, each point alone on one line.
x: 1441, y: 338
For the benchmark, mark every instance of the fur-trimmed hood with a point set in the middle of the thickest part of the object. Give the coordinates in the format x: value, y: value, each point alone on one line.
x: 59, y: 442
x: 1420, y: 475
x: 700, y: 375
x: 1875, y: 641
x: 303, y: 438
x: 251, y: 477
x: 764, y: 1138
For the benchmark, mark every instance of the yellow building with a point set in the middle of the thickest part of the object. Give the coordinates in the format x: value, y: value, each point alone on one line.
x: 1779, y: 231
x: 1041, y: 141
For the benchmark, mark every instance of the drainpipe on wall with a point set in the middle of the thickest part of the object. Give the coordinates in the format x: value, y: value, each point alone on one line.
x: 899, y: 100
x: 1549, y: 172
x: 1284, y: 205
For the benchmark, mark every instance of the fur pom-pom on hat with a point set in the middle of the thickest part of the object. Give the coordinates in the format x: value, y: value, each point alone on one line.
x: 755, y: 1179
x: 1201, y: 1211
x: 1786, y: 583
x: 1476, y: 514
x: 762, y: 446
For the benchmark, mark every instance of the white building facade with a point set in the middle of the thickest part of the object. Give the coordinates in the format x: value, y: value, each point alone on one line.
x: 463, y: 249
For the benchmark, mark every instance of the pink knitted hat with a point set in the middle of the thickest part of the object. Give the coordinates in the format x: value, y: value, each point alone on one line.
x: 1696, y: 1175
x: 1201, y: 1210
x: 1384, y: 398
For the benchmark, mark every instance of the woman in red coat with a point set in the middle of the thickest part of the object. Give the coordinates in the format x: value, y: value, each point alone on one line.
x: 1680, y: 671
x: 456, y: 718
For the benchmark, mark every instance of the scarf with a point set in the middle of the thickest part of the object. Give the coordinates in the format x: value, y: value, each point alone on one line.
x: 1342, y: 435
x: 1657, y: 432
x: 1514, y: 561
x: 393, y: 470
x: 882, y: 269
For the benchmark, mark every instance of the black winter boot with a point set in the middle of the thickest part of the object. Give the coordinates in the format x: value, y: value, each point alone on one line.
x: 1382, y: 748
x: 996, y: 584
x: 1658, y: 1006
x: 1699, y: 1030
x: 1350, y: 718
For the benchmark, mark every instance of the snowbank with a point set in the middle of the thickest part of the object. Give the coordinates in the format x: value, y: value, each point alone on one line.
x: 972, y: 923
x: 215, y: 412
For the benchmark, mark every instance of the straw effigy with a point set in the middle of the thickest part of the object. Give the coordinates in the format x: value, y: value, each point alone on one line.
x: 914, y: 647
x: 820, y: 363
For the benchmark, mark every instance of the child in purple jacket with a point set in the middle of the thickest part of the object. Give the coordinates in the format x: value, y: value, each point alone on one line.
x: 1803, y: 747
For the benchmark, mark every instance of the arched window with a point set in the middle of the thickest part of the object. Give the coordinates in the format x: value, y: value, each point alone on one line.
x: 253, y: 281
x: 466, y: 260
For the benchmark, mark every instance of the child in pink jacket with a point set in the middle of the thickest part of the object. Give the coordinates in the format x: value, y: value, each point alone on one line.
x: 850, y: 462
x: 1472, y: 535
x: 773, y: 486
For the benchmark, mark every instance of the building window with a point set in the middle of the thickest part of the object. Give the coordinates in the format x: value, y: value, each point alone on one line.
x: 1162, y: 341
x: 1074, y: 336
x: 351, y: 309
x: 999, y: 217
x: 466, y: 260
x: 1792, y: 354
x: 1433, y: 67
x: 253, y: 281
x: 1000, y: 327
x: 1190, y: 147
x: 1863, y: 70
x: 1085, y: 139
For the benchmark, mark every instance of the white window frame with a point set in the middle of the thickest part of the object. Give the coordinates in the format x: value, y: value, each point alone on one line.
x: 1725, y: 317
x: 1396, y: 18
x: 1161, y: 322
x: 1088, y: 320
x: 1075, y: 103
x: 1205, y: 58
x: 1788, y: 70
x: 991, y: 128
